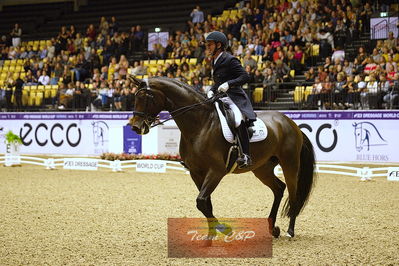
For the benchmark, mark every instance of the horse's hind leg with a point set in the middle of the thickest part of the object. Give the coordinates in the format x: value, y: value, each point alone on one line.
x: 266, y: 175
x: 290, y: 170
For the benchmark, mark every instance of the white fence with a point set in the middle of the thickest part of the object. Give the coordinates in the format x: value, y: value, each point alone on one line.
x: 365, y: 173
x: 51, y: 163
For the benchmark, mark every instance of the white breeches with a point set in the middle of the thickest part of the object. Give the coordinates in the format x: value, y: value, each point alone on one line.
x: 238, y: 117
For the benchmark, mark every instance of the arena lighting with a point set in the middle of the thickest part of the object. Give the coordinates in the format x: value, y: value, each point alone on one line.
x: 157, y: 29
x: 383, y: 14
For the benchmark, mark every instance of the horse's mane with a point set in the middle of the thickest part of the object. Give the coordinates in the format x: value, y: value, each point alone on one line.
x: 187, y: 88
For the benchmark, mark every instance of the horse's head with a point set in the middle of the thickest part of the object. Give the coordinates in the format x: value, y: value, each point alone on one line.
x: 148, y: 103
x: 358, y: 136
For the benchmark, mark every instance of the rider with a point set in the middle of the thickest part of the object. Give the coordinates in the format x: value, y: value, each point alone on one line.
x: 229, y: 76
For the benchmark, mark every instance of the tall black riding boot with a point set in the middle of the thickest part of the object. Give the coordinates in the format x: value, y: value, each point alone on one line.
x: 244, y: 160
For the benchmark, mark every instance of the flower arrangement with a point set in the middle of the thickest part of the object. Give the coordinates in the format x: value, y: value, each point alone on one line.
x: 10, y: 137
x: 124, y: 157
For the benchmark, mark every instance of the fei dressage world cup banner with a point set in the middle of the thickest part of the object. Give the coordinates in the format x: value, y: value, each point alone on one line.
x: 348, y: 136
x: 363, y: 136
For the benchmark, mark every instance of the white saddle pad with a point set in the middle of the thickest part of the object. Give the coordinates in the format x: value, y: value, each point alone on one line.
x: 260, y: 129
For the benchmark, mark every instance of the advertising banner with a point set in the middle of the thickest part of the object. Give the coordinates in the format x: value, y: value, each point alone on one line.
x: 355, y: 136
x: 131, y: 141
x: 63, y: 133
x: 368, y: 136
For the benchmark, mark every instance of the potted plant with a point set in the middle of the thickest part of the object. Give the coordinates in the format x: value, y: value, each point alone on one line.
x: 13, y: 142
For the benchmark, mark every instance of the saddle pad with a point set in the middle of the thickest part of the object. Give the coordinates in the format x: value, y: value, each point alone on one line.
x: 260, y: 129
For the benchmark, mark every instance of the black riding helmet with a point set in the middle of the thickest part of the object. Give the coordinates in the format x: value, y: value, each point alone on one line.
x: 217, y: 36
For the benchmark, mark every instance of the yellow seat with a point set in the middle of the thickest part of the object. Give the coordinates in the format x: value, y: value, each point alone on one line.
x: 168, y: 61
x: 161, y: 62
x: 20, y: 62
x: 315, y: 50
x: 31, y: 98
x: 26, y: 88
x: 258, y: 95
x: 53, y: 93
x: 178, y: 61
x: 192, y: 61
x: 299, y: 94
x: 7, y: 63
x: 47, y: 94
x: 11, y: 69
x: 39, y: 99
x: 25, y: 97
x: 13, y: 62
x: 153, y: 62
x: 33, y: 88
x: 292, y: 73
x: 40, y: 87
x: 308, y: 91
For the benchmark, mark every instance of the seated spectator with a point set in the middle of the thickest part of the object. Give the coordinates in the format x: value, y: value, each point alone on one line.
x: 391, y: 99
x: 339, y: 91
x: 372, y: 89
x: 376, y: 56
x: 352, y: 95
x: 269, y: 85
x: 66, y: 97
x: 117, y: 95
x: 314, y: 99
x: 81, y: 69
x: 325, y: 96
x: 339, y: 54
x: 44, y: 79
x: 282, y: 72
x: 370, y: 66
x: 249, y: 61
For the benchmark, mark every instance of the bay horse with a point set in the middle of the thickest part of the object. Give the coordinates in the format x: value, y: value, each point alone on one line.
x: 204, y: 150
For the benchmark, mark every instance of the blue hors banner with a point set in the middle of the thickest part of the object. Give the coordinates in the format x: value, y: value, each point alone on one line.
x: 353, y: 136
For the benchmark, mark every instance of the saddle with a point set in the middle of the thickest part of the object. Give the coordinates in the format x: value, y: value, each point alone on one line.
x: 228, y: 119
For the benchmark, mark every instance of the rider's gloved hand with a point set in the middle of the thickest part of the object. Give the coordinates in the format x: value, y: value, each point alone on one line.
x: 210, y: 94
x: 224, y: 87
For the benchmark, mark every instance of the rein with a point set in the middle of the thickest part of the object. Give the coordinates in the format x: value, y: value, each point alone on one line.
x: 184, y: 109
x: 176, y: 113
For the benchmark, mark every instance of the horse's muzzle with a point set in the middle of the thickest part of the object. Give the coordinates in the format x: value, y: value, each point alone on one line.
x: 144, y: 129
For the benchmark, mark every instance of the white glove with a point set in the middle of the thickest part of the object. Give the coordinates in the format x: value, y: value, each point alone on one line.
x: 210, y: 94
x: 224, y: 87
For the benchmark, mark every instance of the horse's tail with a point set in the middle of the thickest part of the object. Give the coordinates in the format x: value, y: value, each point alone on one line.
x: 306, y: 179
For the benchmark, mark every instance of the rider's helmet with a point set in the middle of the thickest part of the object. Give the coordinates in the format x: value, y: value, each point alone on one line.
x: 217, y: 36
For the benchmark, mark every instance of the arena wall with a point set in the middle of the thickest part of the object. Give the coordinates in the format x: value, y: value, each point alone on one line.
x: 342, y: 136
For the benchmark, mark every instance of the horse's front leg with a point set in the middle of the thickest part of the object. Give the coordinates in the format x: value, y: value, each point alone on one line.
x: 204, y: 204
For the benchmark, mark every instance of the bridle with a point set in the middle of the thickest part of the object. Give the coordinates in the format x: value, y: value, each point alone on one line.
x: 149, y: 119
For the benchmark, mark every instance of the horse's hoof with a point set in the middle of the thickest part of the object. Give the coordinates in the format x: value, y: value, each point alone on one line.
x: 224, y: 228
x: 276, y: 232
x: 290, y: 234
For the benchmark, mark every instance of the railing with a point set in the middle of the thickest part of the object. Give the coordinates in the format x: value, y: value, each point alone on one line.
x: 381, y: 29
x: 300, y: 95
x: 364, y: 173
x: 51, y: 163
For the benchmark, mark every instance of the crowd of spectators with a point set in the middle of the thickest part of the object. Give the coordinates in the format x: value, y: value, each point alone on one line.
x: 272, y: 38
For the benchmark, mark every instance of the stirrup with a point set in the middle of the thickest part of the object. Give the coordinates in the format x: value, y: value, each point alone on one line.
x: 244, y: 161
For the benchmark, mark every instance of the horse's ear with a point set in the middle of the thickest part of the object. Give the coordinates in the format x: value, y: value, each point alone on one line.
x: 139, y: 83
